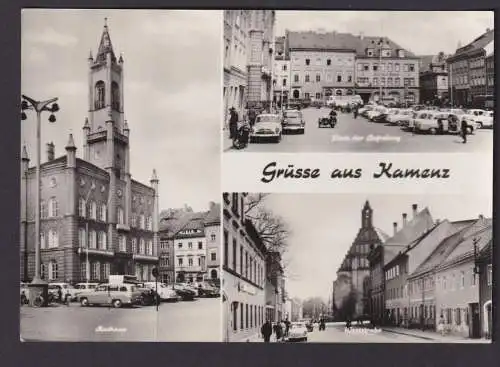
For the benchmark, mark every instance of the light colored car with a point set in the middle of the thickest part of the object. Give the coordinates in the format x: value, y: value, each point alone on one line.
x: 484, y: 120
x: 166, y: 293
x: 431, y: 122
x: 116, y: 295
x: 297, y: 331
x: 82, y: 288
x: 370, y: 115
x: 189, y: 287
x: 293, y: 121
x: 267, y: 126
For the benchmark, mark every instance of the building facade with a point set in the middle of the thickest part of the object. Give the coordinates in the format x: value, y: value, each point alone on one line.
x: 275, y: 290
x: 490, y: 72
x: 457, y: 289
x: 95, y: 219
x: 468, y: 75
x: 485, y: 274
x: 236, y: 50
x: 356, y: 267
x: 244, y: 272
x: 260, y: 59
x: 191, y: 251
x: 213, y: 241
x: 434, y: 80
x: 281, y: 73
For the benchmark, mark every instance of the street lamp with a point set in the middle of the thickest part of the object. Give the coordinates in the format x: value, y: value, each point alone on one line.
x: 38, y: 285
x: 380, y: 43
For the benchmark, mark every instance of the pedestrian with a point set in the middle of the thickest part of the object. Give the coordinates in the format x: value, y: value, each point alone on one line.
x: 233, y: 123
x: 287, y: 327
x: 355, y: 111
x: 441, y: 325
x: 67, y: 298
x: 463, y: 129
x: 60, y: 295
x: 252, y: 115
x: 266, y: 330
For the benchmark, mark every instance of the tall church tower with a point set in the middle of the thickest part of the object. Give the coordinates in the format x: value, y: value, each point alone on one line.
x: 105, y: 131
x: 366, y: 216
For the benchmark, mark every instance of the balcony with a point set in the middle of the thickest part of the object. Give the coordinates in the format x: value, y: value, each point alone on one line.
x: 191, y: 269
x: 95, y: 251
x: 145, y: 257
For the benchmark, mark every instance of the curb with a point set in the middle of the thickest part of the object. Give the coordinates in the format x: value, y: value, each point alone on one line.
x: 409, y: 334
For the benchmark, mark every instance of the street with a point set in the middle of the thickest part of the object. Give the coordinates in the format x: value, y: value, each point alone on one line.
x: 196, y: 321
x: 361, y: 135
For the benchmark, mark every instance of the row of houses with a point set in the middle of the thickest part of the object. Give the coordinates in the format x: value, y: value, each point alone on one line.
x: 428, y: 272
x: 465, y: 78
x: 189, y: 248
x: 253, y: 279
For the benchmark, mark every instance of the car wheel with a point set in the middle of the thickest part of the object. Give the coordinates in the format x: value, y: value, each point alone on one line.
x: 433, y: 131
x: 479, y: 124
x: 117, y: 303
x: 84, y: 302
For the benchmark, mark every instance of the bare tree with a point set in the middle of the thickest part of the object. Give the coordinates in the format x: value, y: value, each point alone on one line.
x: 273, y: 230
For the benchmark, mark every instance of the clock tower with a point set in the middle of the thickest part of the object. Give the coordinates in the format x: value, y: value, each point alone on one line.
x: 366, y: 216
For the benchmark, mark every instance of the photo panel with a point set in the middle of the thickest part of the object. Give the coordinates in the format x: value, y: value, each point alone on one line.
x: 120, y: 240
x: 358, y: 81
x: 357, y: 268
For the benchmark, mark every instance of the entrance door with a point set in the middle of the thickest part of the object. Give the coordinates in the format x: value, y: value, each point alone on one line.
x: 475, y: 327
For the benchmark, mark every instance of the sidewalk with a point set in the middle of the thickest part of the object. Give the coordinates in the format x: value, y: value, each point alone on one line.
x: 435, y: 336
x: 257, y: 338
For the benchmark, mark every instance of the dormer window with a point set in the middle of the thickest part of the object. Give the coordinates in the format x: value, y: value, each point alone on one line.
x: 369, y: 52
x: 386, y: 53
x: 401, y: 53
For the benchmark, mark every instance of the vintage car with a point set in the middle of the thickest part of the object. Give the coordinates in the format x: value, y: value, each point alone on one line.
x: 116, y: 295
x: 186, y: 293
x: 66, y: 289
x: 439, y: 123
x: 293, y: 121
x: 327, y: 121
x: 483, y: 119
x: 297, y: 331
x: 374, y: 113
x: 267, y: 126
x: 164, y: 292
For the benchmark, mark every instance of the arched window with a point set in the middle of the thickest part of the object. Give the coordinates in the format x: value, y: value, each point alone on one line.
x: 93, y: 210
x: 115, y: 96
x: 53, y: 207
x: 92, y: 239
x: 82, y: 237
x: 103, y: 213
x: 120, y: 215
x: 53, y: 270
x: 43, y: 244
x: 99, y: 101
x: 296, y: 94
x: 82, y: 210
x: 102, y: 240
x: 213, y: 274
x: 53, y: 239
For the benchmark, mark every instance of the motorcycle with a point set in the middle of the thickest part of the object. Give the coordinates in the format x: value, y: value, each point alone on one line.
x: 242, y: 137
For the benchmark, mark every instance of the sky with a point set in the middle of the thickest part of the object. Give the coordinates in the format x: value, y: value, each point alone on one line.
x: 172, y: 77
x: 324, y: 226
x: 423, y: 32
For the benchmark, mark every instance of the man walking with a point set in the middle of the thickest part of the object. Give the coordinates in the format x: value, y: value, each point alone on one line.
x: 233, y: 123
x: 463, y: 129
x: 266, y: 331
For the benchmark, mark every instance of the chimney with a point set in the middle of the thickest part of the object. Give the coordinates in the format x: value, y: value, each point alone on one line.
x: 414, y: 208
x: 50, y: 151
x: 404, y: 220
x: 395, y: 226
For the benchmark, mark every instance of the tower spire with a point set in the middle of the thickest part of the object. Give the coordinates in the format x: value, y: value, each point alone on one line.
x: 105, y: 46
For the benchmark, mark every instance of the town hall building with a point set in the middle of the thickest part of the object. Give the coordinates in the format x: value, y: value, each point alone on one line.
x: 95, y: 219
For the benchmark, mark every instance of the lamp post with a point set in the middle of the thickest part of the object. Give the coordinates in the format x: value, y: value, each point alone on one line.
x: 38, y: 285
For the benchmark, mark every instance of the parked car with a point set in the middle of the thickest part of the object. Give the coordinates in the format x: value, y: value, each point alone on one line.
x: 66, y: 288
x: 116, y: 295
x: 293, y: 120
x: 184, y: 292
x: 308, y: 324
x: 82, y: 288
x: 297, y: 331
x: 375, y: 112
x: 430, y: 122
x: 484, y: 120
x: 164, y: 292
x: 208, y: 291
x: 267, y: 126
x: 383, y: 117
